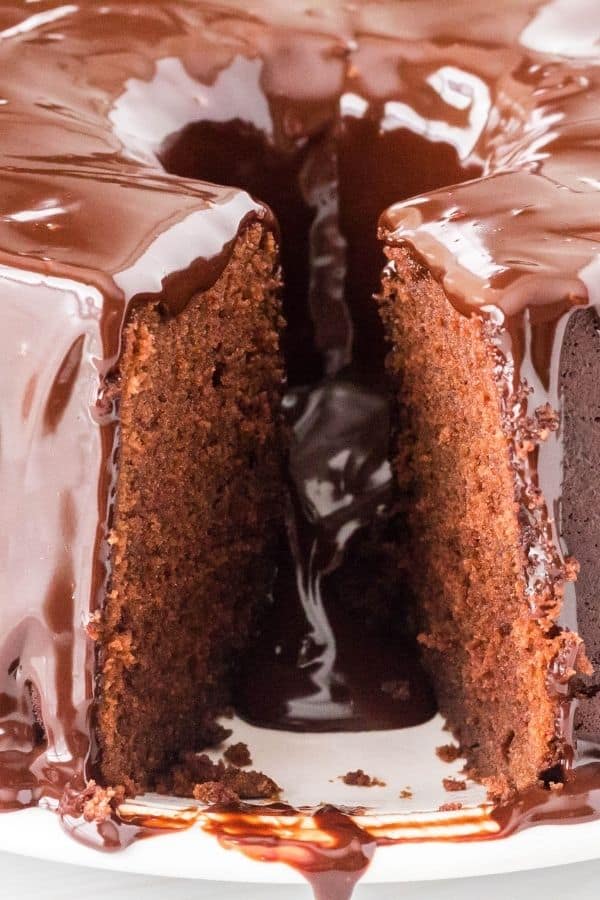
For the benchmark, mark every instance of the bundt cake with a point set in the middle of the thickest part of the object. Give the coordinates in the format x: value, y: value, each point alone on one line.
x: 220, y: 400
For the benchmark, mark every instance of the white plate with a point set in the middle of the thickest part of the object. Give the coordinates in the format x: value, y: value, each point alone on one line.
x: 308, y: 768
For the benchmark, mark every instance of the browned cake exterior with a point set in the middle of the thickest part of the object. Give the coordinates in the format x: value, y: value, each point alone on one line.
x: 198, y: 502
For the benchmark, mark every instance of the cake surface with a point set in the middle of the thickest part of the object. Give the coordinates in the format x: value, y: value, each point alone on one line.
x: 142, y: 443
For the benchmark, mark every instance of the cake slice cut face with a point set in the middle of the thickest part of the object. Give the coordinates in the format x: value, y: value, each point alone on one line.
x: 120, y: 463
x: 299, y: 354
x: 493, y: 657
x: 197, y: 511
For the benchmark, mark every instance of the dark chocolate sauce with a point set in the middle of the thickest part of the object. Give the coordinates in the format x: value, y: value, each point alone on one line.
x: 305, y: 673
x: 327, y: 848
x: 332, y: 848
x: 109, y: 836
x: 113, y: 832
x: 575, y: 801
x: 289, y: 681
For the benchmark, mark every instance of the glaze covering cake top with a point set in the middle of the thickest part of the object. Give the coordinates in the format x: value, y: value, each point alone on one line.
x: 369, y: 105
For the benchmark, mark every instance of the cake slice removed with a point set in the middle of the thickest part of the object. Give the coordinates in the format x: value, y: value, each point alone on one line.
x: 198, y: 501
x: 500, y: 669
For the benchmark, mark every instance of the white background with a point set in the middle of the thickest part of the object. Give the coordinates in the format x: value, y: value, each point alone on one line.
x: 22, y: 878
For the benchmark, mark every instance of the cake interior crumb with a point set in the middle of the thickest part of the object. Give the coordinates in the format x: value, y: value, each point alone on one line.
x: 359, y: 778
x: 198, y: 769
x: 450, y: 807
x: 448, y: 753
x: 238, y: 755
x: 454, y: 784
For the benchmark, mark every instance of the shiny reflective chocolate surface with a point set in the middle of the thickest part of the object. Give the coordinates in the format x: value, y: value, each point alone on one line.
x: 476, y: 129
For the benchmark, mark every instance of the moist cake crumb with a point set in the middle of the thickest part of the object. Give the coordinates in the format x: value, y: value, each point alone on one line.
x: 185, y: 444
x: 197, y: 512
x: 93, y: 627
x: 359, y: 778
x: 450, y: 807
x: 489, y: 661
x: 93, y: 804
x: 212, y: 792
x: 250, y: 785
x: 448, y: 753
x: 238, y: 754
x: 199, y: 769
x: 454, y: 784
x: 214, y: 734
x: 196, y: 768
x: 405, y: 794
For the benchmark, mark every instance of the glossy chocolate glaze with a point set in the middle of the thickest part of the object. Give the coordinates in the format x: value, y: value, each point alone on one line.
x: 304, y: 672
x: 332, y: 848
x: 86, y: 230
x: 328, y: 847
x: 365, y: 105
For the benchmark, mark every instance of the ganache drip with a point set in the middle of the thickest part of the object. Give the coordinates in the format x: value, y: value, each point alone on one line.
x: 488, y: 95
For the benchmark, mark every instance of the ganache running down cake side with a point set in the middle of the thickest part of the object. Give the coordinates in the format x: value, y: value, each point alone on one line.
x: 310, y: 288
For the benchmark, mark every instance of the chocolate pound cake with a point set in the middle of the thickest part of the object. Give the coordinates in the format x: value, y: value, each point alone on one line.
x: 499, y: 667
x: 181, y: 498
x: 197, y: 507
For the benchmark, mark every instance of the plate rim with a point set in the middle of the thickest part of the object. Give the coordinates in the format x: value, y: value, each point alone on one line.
x: 37, y: 833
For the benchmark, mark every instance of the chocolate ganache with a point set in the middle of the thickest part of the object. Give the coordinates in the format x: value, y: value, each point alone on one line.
x: 117, y: 121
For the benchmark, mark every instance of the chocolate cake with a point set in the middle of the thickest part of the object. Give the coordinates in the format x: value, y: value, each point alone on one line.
x: 192, y: 488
